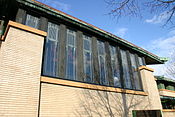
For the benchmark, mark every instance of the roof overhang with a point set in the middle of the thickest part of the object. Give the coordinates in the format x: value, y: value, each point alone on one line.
x: 149, y: 57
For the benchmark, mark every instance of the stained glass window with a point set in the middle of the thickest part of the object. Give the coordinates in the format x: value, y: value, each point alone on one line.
x: 87, y: 58
x: 102, y: 62
x: 134, y: 69
x: 115, y: 66
x: 32, y: 21
x: 51, y: 59
x: 71, y: 55
x: 126, y: 74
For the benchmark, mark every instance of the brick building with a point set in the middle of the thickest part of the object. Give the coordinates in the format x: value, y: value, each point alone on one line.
x: 55, y: 65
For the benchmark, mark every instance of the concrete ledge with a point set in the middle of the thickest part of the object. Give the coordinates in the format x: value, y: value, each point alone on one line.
x: 167, y: 90
x: 168, y: 110
x: 167, y: 93
x: 146, y: 68
x: 90, y: 86
x: 22, y: 27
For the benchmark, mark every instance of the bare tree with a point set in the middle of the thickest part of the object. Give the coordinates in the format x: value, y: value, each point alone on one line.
x: 170, y: 66
x: 135, y: 8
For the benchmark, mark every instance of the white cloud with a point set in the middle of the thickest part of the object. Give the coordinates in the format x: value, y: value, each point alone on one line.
x: 56, y: 4
x: 159, y: 70
x: 171, y: 33
x: 158, y: 18
x: 121, y: 32
x: 164, y: 47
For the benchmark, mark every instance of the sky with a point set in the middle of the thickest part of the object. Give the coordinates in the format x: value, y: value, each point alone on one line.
x: 147, y: 32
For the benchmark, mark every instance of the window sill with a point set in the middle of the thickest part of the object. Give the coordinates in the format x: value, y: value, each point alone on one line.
x: 167, y: 90
x: 168, y: 110
x: 90, y: 86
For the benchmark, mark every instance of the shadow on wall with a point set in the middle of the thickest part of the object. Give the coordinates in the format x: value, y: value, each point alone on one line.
x: 0, y: 44
x: 95, y: 103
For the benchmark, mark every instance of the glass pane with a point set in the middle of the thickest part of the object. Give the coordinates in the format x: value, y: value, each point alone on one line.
x: 126, y: 75
x: 87, y: 44
x: 70, y: 63
x: 101, y: 50
x: 32, y: 21
x: 137, y: 83
x: 102, y: 66
x: 71, y: 60
x: 87, y: 58
x: 140, y: 61
x: 102, y: 71
x: 115, y: 67
x: 71, y: 39
x: 87, y: 69
x: 52, y: 31
x: 51, y: 59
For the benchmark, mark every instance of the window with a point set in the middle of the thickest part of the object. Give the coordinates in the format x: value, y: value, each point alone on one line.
x: 71, y: 55
x: 140, y: 61
x: 134, y: 69
x: 115, y: 66
x: 87, y: 58
x: 126, y: 74
x: 147, y: 113
x: 32, y: 21
x: 51, y: 59
x: 102, y: 64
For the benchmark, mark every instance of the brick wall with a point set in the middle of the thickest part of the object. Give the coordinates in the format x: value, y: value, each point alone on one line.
x: 65, y: 101
x: 20, y: 70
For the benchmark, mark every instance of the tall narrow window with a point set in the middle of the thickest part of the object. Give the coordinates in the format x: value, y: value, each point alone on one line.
x: 126, y: 74
x: 115, y: 66
x: 87, y: 58
x: 102, y: 64
x: 32, y: 21
x: 134, y: 69
x: 51, y: 60
x: 71, y: 55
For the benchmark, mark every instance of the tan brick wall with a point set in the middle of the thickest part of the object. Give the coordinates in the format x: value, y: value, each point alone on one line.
x: 150, y: 86
x: 20, y: 70
x: 65, y: 101
x: 169, y: 114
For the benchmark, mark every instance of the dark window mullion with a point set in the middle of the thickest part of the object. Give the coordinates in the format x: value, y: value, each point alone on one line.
x: 79, y: 55
x: 96, y: 75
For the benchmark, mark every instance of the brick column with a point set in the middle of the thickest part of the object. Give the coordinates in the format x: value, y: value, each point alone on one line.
x: 150, y: 86
x: 20, y: 71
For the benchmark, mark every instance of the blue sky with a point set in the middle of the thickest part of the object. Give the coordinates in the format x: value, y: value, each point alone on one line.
x: 147, y: 32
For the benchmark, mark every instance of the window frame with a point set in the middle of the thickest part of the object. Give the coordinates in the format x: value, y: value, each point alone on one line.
x: 36, y: 17
x: 123, y: 75
x: 117, y: 64
x: 74, y: 47
x: 106, y: 82
x: 89, y: 39
x: 44, y: 71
